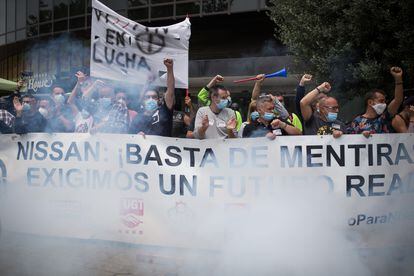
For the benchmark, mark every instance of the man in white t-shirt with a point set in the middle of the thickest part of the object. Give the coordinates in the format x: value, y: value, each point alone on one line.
x: 215, y: 120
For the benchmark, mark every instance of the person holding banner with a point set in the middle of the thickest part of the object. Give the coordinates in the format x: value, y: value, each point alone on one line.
x: 157, y: 116
x: 403, y: 122
x: 324, y: 120
x: 378, y: 116
x: 215, y: 120
x: 268, y: 125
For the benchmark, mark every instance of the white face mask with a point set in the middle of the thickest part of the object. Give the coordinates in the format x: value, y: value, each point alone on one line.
x: 379, y: 108
x: 43, y: 111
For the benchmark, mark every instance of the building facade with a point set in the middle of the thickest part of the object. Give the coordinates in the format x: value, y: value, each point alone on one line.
x: 234, y: 38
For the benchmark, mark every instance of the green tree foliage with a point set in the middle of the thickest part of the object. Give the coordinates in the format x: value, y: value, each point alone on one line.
x: 350, y: 43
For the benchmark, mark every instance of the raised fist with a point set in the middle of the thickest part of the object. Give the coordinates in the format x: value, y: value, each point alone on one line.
x: 168, y: 63
x: 325, y: 87
x: 396, y: 72
x: 305, y: 79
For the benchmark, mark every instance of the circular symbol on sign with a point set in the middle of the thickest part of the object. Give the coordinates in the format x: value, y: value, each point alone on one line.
x: 150, y: 43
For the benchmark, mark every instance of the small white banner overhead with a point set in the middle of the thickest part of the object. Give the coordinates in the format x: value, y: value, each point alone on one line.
x: 123, y: 50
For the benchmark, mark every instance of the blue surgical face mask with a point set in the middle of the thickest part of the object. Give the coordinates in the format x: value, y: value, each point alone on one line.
x: 105, y: 102
x: 331, y: 117
x: 26, y: 107
x: 268, y: 116
x: 223, y: 103
x: 151, y: 105
x: 229, y: 101
x: 85, y: 114
x: 254, y: 115
x: 59, y: 98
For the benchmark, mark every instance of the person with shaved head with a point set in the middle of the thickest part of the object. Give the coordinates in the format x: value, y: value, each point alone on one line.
x: 324, y: 120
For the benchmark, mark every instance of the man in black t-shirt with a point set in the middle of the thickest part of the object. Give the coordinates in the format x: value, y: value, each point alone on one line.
x: 268, y: 125
x: 28, y: 118
x: 156, y: 118
x: 324, y: 121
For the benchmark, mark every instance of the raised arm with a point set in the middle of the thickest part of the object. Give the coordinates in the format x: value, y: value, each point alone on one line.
x: 305, y: 103
x: 88, y: 91
x: 395, y: 104
x: 257, y: 87
x: 300, y: 92
x: 169, y: 95
x: 203, y: 95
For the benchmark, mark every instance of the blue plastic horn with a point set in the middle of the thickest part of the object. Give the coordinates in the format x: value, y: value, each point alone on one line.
x: 281, y: 73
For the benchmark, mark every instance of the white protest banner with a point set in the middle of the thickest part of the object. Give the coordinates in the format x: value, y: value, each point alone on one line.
x: 123, y: 50
x: 186, y: 193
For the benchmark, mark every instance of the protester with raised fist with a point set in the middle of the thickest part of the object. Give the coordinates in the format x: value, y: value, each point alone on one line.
x: 378, y: 115
x: 300, y: 93
x: 324, y: 120
x: 157, y: 115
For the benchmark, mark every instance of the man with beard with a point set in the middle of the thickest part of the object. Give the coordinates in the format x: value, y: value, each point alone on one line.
x: 378, y: 116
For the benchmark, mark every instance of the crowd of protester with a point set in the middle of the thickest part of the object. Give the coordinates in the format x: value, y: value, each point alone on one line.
x: 97, y: 107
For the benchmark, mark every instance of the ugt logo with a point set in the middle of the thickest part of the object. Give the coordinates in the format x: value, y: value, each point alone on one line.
x: 150, y: 43
x: 132, y: 211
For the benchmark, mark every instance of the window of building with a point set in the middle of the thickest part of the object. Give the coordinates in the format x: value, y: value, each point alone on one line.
x: 11, y: 37
x: 20, y: 14
x: 45, y: 28
x: 242, y: 5
x: 11, y: 15
x: 60, y: 9
x: 32, y: 12
x: 2, y: 39
x: 138, y: 14
x: 21, y: 35
x: 115, y: 5
x: 161, y: 1
x: 2, y: 16
x: 137, y: 3
x: 76, y: 23
x: 45, y: 10
x: 60, y: 26
x: 77, y: 7
x: 188, y: 8
x: 214, y: 6
x: 162, y: 11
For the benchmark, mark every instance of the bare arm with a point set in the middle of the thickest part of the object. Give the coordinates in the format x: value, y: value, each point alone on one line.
x: 257, y: 87
x: 395, y: 104
x: 88, y: 91
x: 399, y: 124
x: 305, y: 103
x: 169, y: 95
